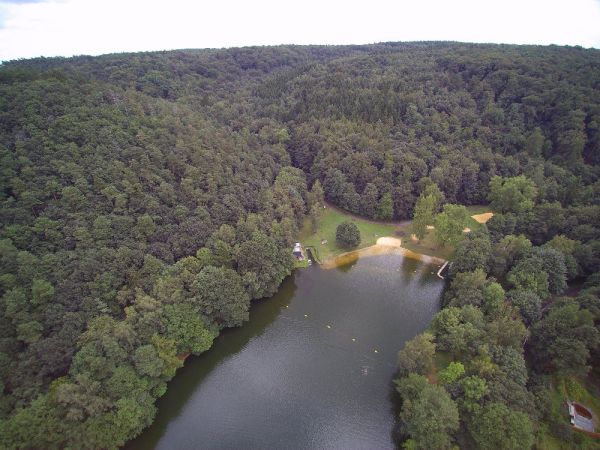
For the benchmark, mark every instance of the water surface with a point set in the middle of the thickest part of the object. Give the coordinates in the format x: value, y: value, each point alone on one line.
x: 312, y: 369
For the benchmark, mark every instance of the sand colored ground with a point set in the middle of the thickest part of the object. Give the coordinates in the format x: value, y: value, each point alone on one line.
x: 389, y: 241
x: 483, y: 218
x: 384, y: 245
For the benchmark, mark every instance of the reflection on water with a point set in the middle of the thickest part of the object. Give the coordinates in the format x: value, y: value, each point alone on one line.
x: 351, y: 257
x: 312, y: 369
x: 349, y: 263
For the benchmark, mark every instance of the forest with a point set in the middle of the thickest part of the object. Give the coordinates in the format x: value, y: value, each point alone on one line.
x: 148, y: 198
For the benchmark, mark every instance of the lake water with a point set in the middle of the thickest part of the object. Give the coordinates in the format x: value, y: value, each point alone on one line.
x: 312, y: 369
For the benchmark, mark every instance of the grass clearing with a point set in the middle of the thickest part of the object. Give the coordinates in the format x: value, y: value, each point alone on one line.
x: 330, y: 218
x: 371, y: 230
x: 301, y: 264
x: 426, y: 246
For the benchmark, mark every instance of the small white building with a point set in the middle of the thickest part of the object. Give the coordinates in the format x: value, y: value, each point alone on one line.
x: 297, y: 252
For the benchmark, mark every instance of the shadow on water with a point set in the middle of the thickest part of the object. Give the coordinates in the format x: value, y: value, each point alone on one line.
x: 396, y: 434
x: 347, y: 265
x: 410, y: 266
x: 262, y: 313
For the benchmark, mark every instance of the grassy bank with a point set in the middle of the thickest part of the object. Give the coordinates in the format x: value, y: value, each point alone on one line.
x: 330, y: 218
x: 371, y: 230
x: 428, y: 245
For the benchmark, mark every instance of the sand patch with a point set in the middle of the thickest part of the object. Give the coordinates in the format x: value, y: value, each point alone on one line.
x: 389, y: 241
x: 467, y: 230
x: 385, y: 245
x: 483, y: 218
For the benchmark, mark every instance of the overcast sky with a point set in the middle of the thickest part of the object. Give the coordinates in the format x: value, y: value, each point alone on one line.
x: 30, y: 28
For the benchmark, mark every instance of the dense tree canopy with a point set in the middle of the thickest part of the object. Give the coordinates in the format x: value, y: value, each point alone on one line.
x: 147, y: 198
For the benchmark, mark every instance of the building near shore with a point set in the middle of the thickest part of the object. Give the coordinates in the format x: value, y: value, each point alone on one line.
x: 298, y: 252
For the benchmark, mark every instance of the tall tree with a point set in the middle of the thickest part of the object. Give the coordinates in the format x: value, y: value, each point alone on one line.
x: 497, y: 426
x: 429, y: 415
x: 514, y: 194
x: 417, y: 356
x: 423, y: 215
x: 385, y: 210
x: 450, y: 223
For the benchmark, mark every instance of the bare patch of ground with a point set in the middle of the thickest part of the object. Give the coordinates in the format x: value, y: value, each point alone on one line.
x: 389, y: 241
x: 483, y: 218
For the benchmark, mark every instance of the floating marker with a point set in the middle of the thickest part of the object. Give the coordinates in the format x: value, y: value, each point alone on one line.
x: 376, y: 351
x: 287, y: 306
x: 328, y: 326
x: 353, y: 339
x: 305, y: 315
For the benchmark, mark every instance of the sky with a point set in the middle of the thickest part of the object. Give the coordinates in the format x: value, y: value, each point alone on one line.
x: 30, y: 28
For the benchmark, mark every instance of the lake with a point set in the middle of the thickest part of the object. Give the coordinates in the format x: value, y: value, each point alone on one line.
x: 312, y: 369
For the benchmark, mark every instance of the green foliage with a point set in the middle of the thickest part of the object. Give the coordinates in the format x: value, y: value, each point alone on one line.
x: 166, y: 349
x: 263, y: 263
x: 529, y: 274
x: 347, y: 235
x: 567, y: 248
x: 385, y: 210
x: 449, y: 224
x: 507, y: 251
x: 183, y: 324
x: 428, y: 413
x: 417, y: 356
x: 493, y: 299
x: 562, y: 340
x: 473, y: 252
x: 528, y: 304
x: 459, y: 330
x: 474, y: 389
x: 328, y: 221
x: 41, y: 292
x: 515, y: 194
x: 145, y: 195
x: 147, y: 361
x: 467, y: 288
x: 554, y: 265
x: 497, y: 426
x: 452, y: 373
x: 219, y: 294
x: 423, y: 214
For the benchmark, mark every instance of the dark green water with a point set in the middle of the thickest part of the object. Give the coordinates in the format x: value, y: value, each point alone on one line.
x: 287, y: 381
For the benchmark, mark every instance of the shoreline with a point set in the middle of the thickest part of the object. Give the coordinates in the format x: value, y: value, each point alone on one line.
x: 384, y: 245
